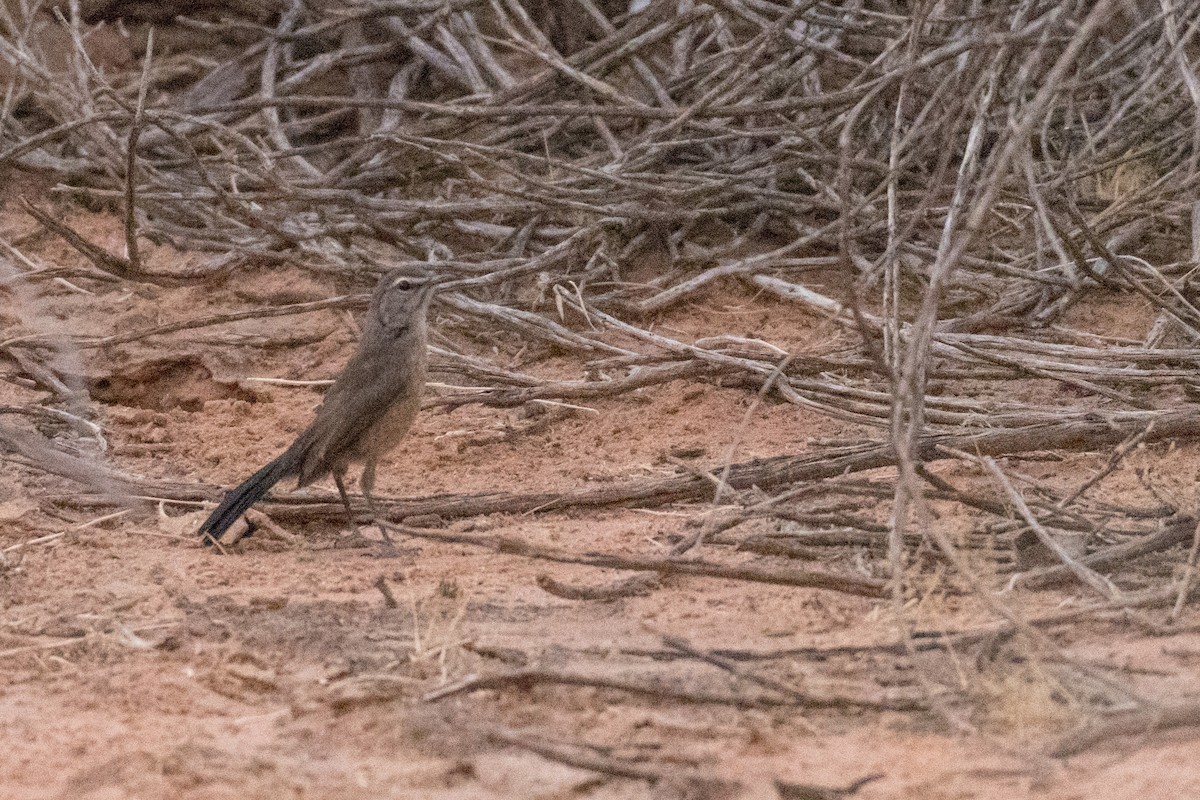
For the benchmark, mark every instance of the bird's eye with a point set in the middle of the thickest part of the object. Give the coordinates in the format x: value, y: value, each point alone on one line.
x: 404, y: 284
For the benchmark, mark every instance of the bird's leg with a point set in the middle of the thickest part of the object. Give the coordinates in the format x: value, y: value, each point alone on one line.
x: 338, y: 476
x: 366, y: 482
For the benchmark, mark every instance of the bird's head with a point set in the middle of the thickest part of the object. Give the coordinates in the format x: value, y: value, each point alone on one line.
x: 402, y: 298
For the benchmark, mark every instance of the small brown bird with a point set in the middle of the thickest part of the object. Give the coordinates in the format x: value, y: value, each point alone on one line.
x: 366, y: 411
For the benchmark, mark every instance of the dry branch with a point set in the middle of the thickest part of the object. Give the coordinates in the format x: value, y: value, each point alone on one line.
x: 1142, y: 723
x: 629, y: 587
x: 686, y: 783
x: 656, y: 686
x: 511, y: 545
x: 940, y: 189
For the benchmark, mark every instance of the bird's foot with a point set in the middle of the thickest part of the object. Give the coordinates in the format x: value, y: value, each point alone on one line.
x: 383, y: 531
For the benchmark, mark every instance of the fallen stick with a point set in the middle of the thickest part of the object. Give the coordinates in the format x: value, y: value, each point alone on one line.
x: 813, y: 579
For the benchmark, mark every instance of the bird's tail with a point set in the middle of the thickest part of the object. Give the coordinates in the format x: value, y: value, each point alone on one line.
x: 245, y: 495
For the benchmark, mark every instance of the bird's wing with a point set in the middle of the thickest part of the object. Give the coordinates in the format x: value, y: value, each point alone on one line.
x: 379, y: 375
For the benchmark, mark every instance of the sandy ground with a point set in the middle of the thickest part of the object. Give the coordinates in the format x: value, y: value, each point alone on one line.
x: 136, y: 664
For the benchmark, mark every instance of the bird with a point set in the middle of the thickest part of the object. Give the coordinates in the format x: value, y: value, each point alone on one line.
x: 365, y: 413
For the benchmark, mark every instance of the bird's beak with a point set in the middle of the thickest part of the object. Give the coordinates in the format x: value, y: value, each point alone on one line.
x: 431, y: 288
x: 446, y: 283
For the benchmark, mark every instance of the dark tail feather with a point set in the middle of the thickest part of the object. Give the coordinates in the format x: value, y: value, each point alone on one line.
x: 247, y: 494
